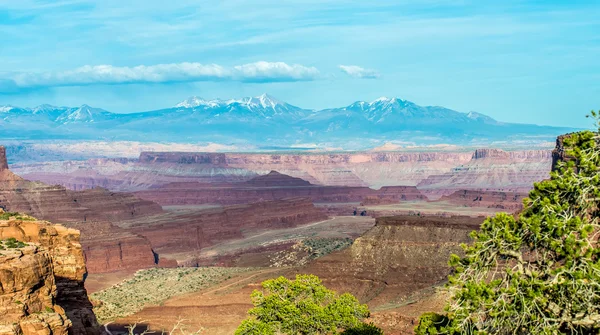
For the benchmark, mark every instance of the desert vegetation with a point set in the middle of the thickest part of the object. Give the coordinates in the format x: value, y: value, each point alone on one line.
x: 154, y: 286
x: 304, y: 306
x: 11, y: 243
x: 306, y: 250
x: 538, y: 273
x: 17, y: 216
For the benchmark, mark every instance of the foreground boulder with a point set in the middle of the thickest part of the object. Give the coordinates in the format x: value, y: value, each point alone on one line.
x: 42, y: 272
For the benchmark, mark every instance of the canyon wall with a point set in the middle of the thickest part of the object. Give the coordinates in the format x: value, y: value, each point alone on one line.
x: 272, y: 186
x: 42, y: 283
x: 438, y: 173
x: 106, y: 246
x: 396, y: 258
x: 491, y: 170
x: 182, y: 235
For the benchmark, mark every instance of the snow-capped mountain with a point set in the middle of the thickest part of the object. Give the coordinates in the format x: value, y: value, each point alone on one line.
x: 264, y: 119
x: 57, y: 115
x: 264, y: 106
x: 84, y: 114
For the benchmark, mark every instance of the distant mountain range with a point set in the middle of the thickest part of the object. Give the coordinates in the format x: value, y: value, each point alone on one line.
x: 264, y: 121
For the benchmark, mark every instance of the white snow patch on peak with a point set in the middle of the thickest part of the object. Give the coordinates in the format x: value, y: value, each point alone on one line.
x: 44, y: 108
x: 264, y: 101
x: 6, y: 109
x: 386, y: 100
x: 192, y: 102
x: 382, y: 99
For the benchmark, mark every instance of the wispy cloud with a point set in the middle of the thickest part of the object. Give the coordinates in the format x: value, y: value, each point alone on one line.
x: 359, y: 72
x: 161, y: 73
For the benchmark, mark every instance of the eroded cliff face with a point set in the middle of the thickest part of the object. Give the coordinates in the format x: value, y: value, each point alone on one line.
x: 396, y: 258
x: 184, y: 234
x: 42, y: 283
x: 107, y: 247
x: 491, y: 170
x: 3, y: 160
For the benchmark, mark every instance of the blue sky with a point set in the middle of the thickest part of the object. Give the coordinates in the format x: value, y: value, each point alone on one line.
x: 517, y: 61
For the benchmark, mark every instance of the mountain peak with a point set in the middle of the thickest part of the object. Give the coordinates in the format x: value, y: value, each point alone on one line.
x: 263, y: 100
x: 84, y: 113
x: 386, y: 100
x: 192, y: 102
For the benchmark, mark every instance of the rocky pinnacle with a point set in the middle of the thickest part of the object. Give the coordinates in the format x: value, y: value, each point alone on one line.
x: 3, y: 161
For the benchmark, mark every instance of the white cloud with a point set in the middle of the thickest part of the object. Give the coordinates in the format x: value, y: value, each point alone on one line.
x: 278, y: 71
x: 164, y: 73
x: 359, y: 72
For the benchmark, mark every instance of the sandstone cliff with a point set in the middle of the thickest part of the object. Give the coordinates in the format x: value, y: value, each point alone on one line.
x: 41, y: 283
x: 106, y: 246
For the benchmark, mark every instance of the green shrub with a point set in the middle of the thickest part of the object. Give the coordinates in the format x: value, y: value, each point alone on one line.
x: 12, y: 243
x: 538, y: 273
x: 301, y: 306
x: 363, y: 329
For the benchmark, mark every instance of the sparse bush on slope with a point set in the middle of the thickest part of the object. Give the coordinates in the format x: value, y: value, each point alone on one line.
x: 539, y: 273
x: 153, y: 286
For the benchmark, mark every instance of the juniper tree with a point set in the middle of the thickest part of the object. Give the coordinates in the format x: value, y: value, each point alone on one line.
x: 303, y: 306
x: 538, y: 273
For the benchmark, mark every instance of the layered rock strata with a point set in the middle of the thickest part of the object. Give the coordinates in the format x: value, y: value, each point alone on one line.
x: 272, y: 186
x: 42, y: 283
x: 107, y: 247
x: 396, y: 258
x: 188, y: 232
x: 491, y: 170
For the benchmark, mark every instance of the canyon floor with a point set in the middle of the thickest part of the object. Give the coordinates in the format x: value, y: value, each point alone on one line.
x: 220, y: 308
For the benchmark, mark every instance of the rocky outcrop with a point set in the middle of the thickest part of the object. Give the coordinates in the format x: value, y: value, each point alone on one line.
x: 3, y: 160
x: 42, y: 283
x: 508, y: 201
x: 276, y: 179
x: 559, y: 152
x: 28, y: 294
x: 396, y: 258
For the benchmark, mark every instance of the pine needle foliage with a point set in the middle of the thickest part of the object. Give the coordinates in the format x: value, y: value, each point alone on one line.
x: 538, y: 273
